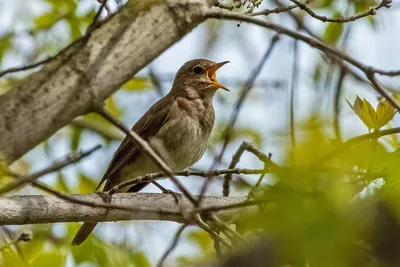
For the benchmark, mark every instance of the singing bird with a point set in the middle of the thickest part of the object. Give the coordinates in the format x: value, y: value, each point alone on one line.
x: 180, y: 122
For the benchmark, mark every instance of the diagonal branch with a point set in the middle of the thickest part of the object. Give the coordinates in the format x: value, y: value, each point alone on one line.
x: 333, y: 52
x: 57, y: 165
x: 172, y: 246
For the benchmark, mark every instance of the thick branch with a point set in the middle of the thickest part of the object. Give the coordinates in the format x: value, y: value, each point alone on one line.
x: 90, y: 70
x: 32, y: 209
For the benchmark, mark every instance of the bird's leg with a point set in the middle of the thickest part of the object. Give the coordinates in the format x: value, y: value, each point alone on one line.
x: 168, y: 191
x: 106, y: 197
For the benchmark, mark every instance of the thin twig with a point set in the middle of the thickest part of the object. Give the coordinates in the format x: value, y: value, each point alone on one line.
x: 167, y: 191
x: 148, y: 150
x: 154, y: 176
x: 172, y: 246
x: 243, y: 94
x: 106, y: 6
x: 368, y: 70
x: 50, y: 58
x: 227, y: 229
x: 57, y: 165
x: 338, y: 93
x: 235, y: 160
x: 27, y: 67
x: 370, y: 12
x: 275, y: 10
x: 213, y: 233
x: 292, y: 93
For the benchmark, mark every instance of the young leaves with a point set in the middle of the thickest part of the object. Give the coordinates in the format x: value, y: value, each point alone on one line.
x: 373, y: 119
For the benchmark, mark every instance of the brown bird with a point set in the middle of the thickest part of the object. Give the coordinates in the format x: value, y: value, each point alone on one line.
x: 180, y: 123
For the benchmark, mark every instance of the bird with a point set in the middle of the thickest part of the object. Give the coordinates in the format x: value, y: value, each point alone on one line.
x: 180, y: 123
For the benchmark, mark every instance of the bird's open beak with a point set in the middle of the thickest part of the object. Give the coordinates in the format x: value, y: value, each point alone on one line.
x: 212, y: 75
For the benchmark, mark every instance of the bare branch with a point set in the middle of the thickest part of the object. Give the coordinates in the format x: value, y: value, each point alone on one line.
x: 27, y: 67
x: 106, y: 6
x: 57, y: 165
x: 222, y: 14
x: 154, y: 176
x: 370, y: 12
x: 212, y: 232
x: 172, y: 246
x: 33, y: 209
x: 235, y: 160
x: 274, y: 11
x: 48, y: 59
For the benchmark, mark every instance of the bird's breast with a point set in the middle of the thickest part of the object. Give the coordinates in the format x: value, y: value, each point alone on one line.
x: 184, y: 139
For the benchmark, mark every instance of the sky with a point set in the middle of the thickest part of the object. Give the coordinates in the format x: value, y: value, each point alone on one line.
x: 265, y: 107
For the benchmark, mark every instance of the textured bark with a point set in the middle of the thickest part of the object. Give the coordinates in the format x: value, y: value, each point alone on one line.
x: 32, y: 209
x: 90, y: 70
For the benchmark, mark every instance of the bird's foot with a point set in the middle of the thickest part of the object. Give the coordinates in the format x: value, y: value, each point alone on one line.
x: 176, y: 196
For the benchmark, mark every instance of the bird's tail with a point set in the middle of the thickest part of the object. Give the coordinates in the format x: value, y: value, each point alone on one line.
x: 83, y: 233
x: 87, y: 228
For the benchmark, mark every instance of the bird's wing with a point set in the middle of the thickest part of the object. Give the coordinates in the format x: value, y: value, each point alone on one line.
x: 146, y: 127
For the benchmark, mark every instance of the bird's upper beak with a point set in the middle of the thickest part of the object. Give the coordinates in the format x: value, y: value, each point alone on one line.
x: 211, y: 74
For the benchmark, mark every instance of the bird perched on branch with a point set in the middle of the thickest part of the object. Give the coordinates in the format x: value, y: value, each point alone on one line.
x: 180, y: 124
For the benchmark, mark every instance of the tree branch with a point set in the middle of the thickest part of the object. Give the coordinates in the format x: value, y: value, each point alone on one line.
x: 370, y: 12
x: 33, y: 209
x: 57, y: 165
x: 90, y: 70
x: 331, y: 51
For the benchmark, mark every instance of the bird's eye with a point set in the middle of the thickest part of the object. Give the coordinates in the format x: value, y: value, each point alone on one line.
x: 198, y: 70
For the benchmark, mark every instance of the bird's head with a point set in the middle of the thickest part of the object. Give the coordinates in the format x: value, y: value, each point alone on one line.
x: 197, y: 79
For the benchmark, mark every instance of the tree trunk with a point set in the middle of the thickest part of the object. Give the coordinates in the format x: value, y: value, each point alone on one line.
x: 88, y: 71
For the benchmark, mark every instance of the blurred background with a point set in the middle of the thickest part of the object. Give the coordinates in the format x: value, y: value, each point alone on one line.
x: 35, y: 29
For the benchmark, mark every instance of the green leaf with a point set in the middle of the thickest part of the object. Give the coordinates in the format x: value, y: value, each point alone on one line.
x: 74, y: 26
x: 5, y: 44
x: 76, y: 134
x: 60, y: 183
x: 4, y: 170
x: 139, y: 259
x: 10, y: 258
x: 86, y: 185
x: 365, y: 112
x: 49, y: 259
x: 100, y: 126
x: 32, y: 248
x: 362, y: 6
x: 384, y: 113
x: 136, y: 84
x: 333, y: 32
x: 46, y: 21
x: 112, y: 107
x: 320, y: 4
x: 200, y: 238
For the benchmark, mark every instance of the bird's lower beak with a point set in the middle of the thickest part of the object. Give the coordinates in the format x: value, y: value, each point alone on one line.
x: 212, y: 75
